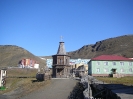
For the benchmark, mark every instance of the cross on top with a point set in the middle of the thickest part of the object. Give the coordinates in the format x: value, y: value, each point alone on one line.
x: 61, y: 38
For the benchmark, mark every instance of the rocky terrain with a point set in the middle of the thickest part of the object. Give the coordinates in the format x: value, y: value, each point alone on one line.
x: 122, y: 45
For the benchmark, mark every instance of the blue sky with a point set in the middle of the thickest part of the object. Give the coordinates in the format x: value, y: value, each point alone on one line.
x: 37, y: 25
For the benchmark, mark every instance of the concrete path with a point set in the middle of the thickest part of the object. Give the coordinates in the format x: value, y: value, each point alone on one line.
x: 57, y: 89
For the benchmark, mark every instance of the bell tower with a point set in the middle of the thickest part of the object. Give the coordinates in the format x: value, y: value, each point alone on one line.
x: 61, y: 67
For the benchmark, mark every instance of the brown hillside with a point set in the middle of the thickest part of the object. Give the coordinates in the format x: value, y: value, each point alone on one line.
x: 10, y: 56
x: 122, y: 45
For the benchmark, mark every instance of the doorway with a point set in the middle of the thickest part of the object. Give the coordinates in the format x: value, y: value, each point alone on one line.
x: 113, y: 71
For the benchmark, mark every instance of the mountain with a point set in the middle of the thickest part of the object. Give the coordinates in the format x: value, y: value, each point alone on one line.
x: 46, y: 57
x: 122, y: 45
x: 10, y: 55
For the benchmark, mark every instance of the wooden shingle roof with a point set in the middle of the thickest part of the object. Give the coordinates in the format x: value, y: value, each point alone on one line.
x: 61, y: 49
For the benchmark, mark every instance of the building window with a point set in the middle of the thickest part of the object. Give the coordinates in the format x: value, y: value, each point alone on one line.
x: 122, y: 70
x: 121, y: 63
x: 98, y: 63
x: 106, y: 70
x: 60, y: 61
x: 105, y: 63
x: 66, y: 61
x: 114, y: 63
x: 130, y: 63
x: 130, y: 70
x: 98, y: 69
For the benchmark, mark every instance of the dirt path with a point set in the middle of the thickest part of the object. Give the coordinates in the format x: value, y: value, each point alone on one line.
x: 58, y: 89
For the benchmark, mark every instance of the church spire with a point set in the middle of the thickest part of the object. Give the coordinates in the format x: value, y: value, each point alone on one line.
x: 61, y: 49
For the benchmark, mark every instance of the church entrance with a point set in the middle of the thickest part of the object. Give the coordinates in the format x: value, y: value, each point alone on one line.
x: 60, y: 72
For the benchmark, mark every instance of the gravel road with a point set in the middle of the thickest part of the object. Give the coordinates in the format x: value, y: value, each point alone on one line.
x: 57, y: 89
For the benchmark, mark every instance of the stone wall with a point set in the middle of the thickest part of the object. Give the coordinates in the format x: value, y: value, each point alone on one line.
x: 94, y: 89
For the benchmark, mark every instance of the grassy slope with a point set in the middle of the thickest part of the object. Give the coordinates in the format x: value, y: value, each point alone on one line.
x: 10, y: 56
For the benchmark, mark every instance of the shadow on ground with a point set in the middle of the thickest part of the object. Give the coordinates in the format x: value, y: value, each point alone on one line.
x: 77, y: 92
x: 112, y: 91
x: 34, y: 81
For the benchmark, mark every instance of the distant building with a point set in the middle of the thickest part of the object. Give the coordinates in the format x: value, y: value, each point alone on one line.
x: 28, y: 63
x: 79, y: 66
x: 43, y: 58
x: 49, y: 63
x: 110, y: 65
x: 80, y: 70
x: 77, y: 62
